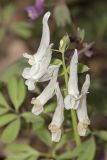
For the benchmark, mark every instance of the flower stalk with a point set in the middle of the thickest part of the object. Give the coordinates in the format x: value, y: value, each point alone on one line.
x: 73, y: 113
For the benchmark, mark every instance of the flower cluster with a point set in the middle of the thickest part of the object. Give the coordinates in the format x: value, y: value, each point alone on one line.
x: 40, y: 70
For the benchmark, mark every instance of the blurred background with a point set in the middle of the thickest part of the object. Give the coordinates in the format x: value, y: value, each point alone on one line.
x: 20, y: 31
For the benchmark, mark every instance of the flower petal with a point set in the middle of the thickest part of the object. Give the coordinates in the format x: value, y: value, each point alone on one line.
x: 58, y: 117
x: 45, y: 40
x: 46, y: 94
x: 25, y: 73
x: 30, y: 83
x: 48, y: 75
x: 82, y: 109
x: 43, y: 64
x: 73, y: 80
x: 67, y: 102
x: 86, y: 85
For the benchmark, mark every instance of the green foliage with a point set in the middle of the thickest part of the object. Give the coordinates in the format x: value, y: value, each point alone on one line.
x: 22, y: 29
x: 3, y: 102
x: 85, y: 151
x: 30, y: 117
x: 17, y: 91
x: 10, y: 133
x: 49, y: 108
x: 57, y: 62
x: 21, y: 151
x: 42, y: 133
x: 82, y: 68
x: 14, y: 69
x: 101, y: 134
x: 7, y: 118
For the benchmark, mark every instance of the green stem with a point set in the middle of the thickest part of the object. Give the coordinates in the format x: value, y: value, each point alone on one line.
x: 73, y: 113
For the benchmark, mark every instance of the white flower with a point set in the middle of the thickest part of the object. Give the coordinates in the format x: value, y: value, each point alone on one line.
x: 46, y: 94
x: 41, y: 59
x: 58, y: 117
x: 73, y: 97
x: 76, y: 100
x: 82, y: 109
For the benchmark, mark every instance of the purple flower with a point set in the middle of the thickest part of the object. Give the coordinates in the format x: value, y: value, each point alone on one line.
x: 34, y: 11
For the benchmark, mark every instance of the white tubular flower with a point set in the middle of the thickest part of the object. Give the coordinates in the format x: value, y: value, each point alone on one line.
x: 58, y: 117
x: 39, y: 61
x: 44, y: 44
x: 82, y: 109
x: 72, y: 99
x: 46, y: 94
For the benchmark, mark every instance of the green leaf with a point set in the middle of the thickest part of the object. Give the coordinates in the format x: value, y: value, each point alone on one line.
x: 82, y: 68
x: 22, y: 151
x: 11, y: 132
x: 30, y: 117
x: 50, y: 107
x: 89, y: 147
x: 14, y: 69
x: 3, y: 102
x: 62, y: 15
x: 22, y: 29
x: 89, y: 151
x: 64, y: 43
x: 17, y: 91
x: 57, y: 62
x: 64, y: 139
x: 101, y: 134
x: 7, y: 118
x: 3, y: 111
x: 43, y: 134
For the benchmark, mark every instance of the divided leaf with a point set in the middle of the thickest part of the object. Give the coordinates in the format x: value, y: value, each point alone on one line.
x: 17, y: 91
x: 11, y: 131
x: 7, y: 118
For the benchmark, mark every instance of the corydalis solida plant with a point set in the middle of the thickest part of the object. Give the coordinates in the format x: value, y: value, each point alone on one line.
x: 42, y: 70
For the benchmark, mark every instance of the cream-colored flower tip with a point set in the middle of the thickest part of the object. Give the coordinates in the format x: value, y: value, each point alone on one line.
x: 82, y: 127
x: 38, y: 107
x: 56, y: 132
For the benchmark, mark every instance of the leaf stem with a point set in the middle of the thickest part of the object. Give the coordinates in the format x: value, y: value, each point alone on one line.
x: 73, y: 113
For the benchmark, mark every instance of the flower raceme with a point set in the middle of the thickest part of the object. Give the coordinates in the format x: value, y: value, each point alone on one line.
x: 40, y: 70
x: 76, y: 100
x: 41, y: 59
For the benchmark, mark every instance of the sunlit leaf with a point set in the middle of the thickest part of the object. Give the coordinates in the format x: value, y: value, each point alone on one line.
x: 89, y: 147
x: 22, y: 151
x: 43, y: 134
x: 17, y: 91
x: 11, y: 131
x: 3, y: 102
x: 30, y: 117
x: 7, y: 118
